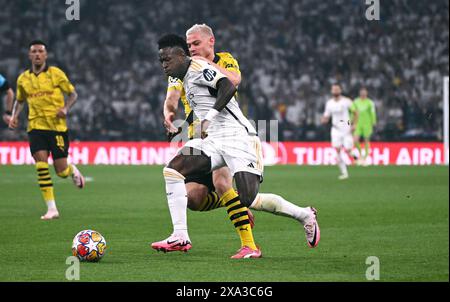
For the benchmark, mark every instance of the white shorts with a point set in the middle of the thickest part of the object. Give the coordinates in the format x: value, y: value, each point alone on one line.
x: 241, y: 153
x: 341, y: 139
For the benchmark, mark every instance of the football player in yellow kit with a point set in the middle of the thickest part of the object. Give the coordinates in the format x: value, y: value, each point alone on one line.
x: 43, y: 87
x: 215, y: 189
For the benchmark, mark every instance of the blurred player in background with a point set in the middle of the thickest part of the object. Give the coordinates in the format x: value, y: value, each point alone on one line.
x: 4, y: 87
x: 343, y: 118
x: 43, y: 88
x: 214, y: 190
x: 367, y: 119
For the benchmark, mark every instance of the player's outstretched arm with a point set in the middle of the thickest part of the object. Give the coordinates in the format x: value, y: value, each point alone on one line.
x: 355, y: 119
x: 325, y: 119
x: 225, y: 91
x: 233, y: 76
x: 9, y: 106
x: 373, y: 114
x: 170, y: 109
x: 71, y: 100
x: 14, y: 121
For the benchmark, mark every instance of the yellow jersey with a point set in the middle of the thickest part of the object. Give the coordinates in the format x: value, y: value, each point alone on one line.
x: 44, y: 94
x: 224, y: 60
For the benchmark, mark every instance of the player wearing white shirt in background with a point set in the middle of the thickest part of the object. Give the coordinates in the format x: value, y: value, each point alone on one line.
x: 339, y: 110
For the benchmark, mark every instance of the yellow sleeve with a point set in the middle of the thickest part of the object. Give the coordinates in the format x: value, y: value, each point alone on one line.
x: 174, y: 84
x: 20, y: 92
x: 230, y: 63
x: 63, y: 82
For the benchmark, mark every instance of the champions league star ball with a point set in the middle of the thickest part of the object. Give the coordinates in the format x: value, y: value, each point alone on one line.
x: 89, y: 245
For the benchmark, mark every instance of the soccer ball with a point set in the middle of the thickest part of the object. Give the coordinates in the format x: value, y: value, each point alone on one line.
x: 89, y: 245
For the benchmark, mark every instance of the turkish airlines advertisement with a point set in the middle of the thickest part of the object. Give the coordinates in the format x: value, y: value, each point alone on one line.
x: 295, y: 153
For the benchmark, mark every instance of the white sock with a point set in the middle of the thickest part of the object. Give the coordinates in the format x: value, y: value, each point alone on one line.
x: 341, y: 164
x: 279, y: 206
x: 177, y: 200
x: 51, y: 205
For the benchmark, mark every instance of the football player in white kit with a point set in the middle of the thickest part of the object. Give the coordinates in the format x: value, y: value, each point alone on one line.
x: 227, y: 138
x: 198, y: 42
x: 343, y: 119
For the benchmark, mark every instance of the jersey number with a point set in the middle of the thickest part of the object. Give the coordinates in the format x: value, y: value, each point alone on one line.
x: 59, y: 141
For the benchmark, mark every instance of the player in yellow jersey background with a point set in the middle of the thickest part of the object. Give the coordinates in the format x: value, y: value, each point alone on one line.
x: 43, y: 88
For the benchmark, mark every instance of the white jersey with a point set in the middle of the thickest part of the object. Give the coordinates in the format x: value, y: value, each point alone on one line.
x: 200, y: 85
x: 339, y: 111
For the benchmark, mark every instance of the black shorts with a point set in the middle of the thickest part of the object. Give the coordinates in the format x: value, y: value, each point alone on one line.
x: 206, y: 180
x: 53, y: 141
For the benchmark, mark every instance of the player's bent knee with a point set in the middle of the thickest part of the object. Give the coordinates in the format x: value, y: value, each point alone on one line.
x: 248, y: 198
x: 172, y: 174
x: 222, y: 187
x: 248, y: 187
x: 196, y: 193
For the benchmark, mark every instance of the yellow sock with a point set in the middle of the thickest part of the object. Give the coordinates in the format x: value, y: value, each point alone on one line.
x: 45, y: 181
x: 211, y: 202
x: 239, y: 217
x: 67, y: 172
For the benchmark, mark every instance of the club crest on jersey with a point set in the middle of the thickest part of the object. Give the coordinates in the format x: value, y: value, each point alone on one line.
x: 209, y: 74
x: 173, y: 80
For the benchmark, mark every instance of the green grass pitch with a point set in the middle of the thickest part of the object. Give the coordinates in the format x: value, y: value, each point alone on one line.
x: 398, y: 214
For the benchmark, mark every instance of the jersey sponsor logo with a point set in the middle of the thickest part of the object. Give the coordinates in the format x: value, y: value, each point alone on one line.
x: 40, y: 94
x: 209, y: 74
x: 229, y: 66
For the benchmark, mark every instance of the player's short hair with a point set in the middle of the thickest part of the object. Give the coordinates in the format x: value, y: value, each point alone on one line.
x: 202, y: 28
x: 172, y: 40
x: 37, y: 42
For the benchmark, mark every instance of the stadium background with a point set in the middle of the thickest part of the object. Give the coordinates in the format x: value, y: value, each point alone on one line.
x: 289, y: 53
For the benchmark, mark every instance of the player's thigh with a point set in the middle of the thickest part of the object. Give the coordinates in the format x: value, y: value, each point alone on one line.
x: 59, y: 146
x: 60, y: 164
x: 207, y: 147
x: 41, y: 156
x: 367, y: 134
x: 196, y: 193
x: 243, y: 154
x: 39, y: 145
x: 222, y: 179
x: 337, y: 140
x: 190, y: 161
x: 348, y: 142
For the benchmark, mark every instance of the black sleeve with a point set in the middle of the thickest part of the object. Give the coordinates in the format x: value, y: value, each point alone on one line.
x: 225, y: 91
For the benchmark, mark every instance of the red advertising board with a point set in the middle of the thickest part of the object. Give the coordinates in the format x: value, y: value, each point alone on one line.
x: 296, y: 153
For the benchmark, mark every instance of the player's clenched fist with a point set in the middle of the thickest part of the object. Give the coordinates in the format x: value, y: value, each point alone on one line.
x: 62, y: 112
x: 13, y: 123
x: 204, y: 127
